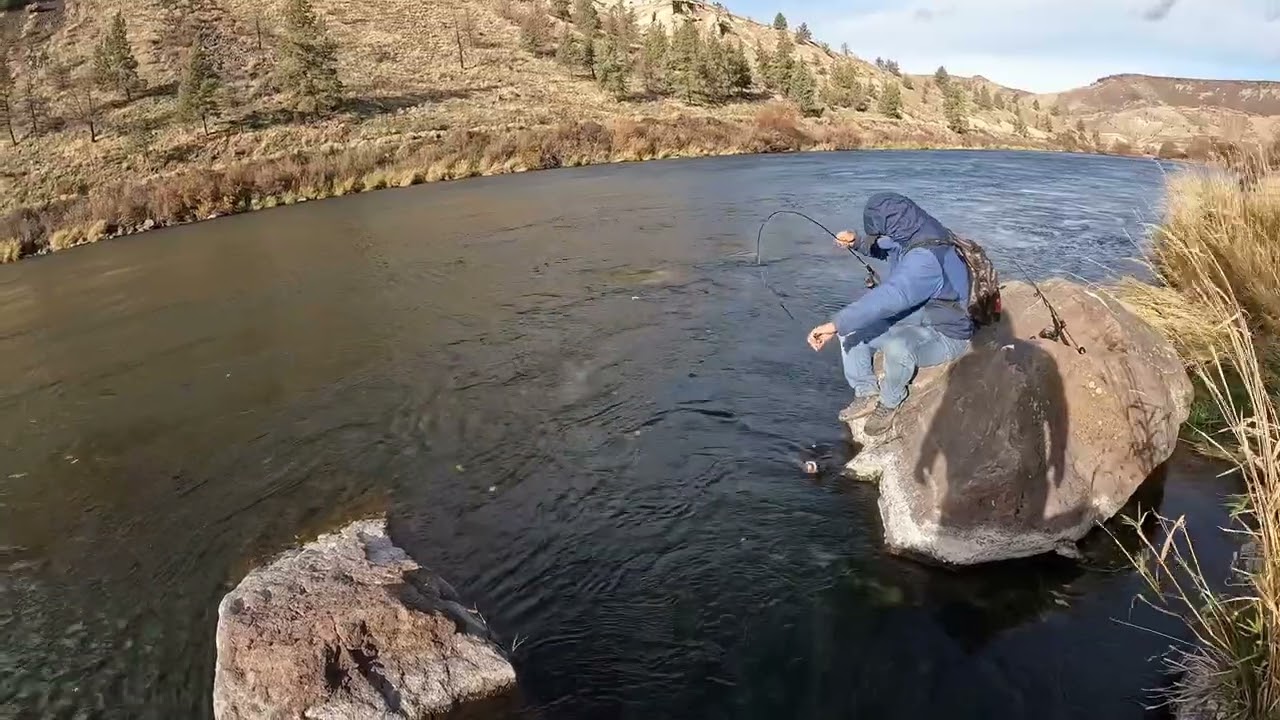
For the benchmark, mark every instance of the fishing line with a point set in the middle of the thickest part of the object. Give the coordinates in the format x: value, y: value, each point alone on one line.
x: 872, y: 278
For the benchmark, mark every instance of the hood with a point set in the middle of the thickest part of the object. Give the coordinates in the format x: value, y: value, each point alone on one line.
x: 898, y: 220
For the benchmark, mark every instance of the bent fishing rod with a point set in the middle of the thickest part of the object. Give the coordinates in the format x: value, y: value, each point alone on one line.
x: 873, y: 278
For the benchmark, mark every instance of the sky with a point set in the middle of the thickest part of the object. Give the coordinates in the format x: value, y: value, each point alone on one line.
x: 1048, y: 45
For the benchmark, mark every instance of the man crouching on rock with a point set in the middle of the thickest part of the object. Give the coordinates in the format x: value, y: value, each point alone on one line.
x: 917, y: 317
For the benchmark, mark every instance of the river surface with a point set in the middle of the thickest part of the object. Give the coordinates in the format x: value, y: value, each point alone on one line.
x: 579, y: 403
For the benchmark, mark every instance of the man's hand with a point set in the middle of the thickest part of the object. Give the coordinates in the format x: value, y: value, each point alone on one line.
x: 819, y: 336
x: 846, y: 238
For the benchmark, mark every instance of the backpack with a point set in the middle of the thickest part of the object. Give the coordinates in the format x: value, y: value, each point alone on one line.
x: 985, y: 305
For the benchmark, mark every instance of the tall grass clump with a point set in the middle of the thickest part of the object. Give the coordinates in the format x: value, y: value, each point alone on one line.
x: 1219, y: 236
x: 1217, y: 256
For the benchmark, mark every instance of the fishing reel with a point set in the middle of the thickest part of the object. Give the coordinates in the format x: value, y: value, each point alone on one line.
x: 1058, y: 333
x: 871, y: 281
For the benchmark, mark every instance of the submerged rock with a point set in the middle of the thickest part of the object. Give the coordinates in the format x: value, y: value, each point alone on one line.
x: 349, y: 626
x: 1021, y: 446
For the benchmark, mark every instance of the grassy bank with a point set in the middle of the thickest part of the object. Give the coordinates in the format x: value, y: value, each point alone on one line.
x: 1218, y: 254
x: 198, y: 194
x: 1219, y: 236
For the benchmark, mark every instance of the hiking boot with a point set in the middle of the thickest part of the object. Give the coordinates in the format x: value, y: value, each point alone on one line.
x: 858, y: 408
x: 880, y: 421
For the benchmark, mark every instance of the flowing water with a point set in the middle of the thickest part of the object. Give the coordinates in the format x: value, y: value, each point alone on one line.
x: 578, y: 402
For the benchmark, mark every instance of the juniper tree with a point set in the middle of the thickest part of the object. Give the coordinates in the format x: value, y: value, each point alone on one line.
x: 802, y: 88
x: 955, y: 111
x: 891, y: 101
x: 803, y: 33
x: 740, y: 76
x: 781, y: 61
x: 198, y: 89
x: 114, y: 66
x: 780, y: 22
x: 612, y: 69
x: 941, y: 77
x: 586, y: 17
x: 307, y: 70
x: 1035, y: 104
x: 713, y: 70
x: 683, y: 65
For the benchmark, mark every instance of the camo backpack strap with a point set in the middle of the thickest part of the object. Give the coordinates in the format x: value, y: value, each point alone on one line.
x: 984, y: 282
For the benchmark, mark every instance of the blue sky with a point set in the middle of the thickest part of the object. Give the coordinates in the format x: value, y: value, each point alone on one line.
x: 1048, y: 45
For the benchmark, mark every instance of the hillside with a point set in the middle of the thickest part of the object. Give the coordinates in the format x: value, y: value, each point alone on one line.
x: 449, y: 88
x: 1146, y: 109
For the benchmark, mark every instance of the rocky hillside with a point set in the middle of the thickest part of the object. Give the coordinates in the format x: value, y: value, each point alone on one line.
x: 427, y: 78
x: 1145, y: 109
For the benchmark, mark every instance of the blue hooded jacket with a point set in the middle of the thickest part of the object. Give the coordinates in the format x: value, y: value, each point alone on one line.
x: 932, y: 279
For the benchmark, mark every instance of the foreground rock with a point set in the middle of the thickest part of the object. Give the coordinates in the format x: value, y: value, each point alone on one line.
x: 349, y: 627
x: 1023, y: 445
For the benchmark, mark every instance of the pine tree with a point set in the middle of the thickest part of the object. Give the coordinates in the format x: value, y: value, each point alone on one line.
x: 683, y: 65
x: 908, y: 83
x: 891, y: 101
x: 612, y: 70
x: 803, y: 33
x: 560, y: 9
x: 780, y: 22
x: 1019, y: 125
x: 802, y: 88
x: 845, y: 88
x: 653, y: 60
x: 1056, y: 110
x: 764, y: 61
x: 998, y: 100
x: 198, y: 89
x: 740, y: 76
x: 1080, y: 127
x: 586, y: 17
x: 6, y: 94
x: 781, y: 63
x: 307, y: 70
x: 114, y: 66
x: 941, y: 77
x: 844, y: 49
x: 535, y: 29
x: 713, y: 70
x: 570, y: 51
x: 620, y: 25
x: 589, y: 57
x: 1035, y: 104
x: 954, y: 109
x: 1096, y: 137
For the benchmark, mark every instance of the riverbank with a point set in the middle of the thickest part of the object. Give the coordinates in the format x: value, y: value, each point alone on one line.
x: 128, y: 208
x: 1218, y: 255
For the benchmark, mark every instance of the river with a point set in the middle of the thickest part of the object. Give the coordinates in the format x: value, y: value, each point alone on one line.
x: 578, y: 402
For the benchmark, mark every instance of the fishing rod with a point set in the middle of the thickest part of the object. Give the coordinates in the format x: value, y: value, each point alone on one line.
x: 873, y: 278
x: 1057, y: 333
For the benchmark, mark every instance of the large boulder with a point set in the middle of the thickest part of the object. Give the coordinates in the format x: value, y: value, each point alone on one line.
x: 1021, y: 446
x: 347, y: 627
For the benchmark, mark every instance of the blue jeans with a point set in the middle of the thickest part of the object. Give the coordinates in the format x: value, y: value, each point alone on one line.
x: 906, y: 346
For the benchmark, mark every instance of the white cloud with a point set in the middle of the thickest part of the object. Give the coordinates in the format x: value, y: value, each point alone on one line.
x: 1050, y: 45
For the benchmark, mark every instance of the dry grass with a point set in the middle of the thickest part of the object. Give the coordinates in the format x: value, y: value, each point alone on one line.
x: 198, y: 194
x: 1218, y: 253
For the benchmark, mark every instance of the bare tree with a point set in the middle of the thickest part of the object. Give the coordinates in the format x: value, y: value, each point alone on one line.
x: 457, y: 36
x: 6, y: 93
